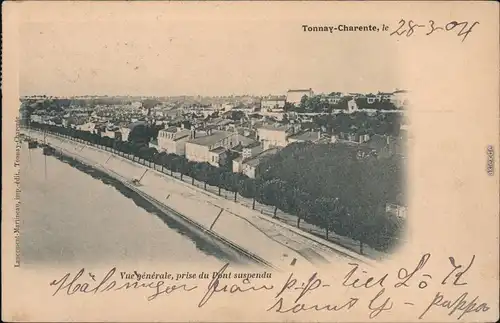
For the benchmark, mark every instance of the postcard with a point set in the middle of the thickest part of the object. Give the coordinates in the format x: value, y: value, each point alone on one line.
x: 287, y: 161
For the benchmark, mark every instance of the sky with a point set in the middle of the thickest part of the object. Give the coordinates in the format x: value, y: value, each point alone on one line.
x: 182, y: 54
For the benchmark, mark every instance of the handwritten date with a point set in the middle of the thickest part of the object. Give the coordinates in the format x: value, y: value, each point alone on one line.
x: 409, y: 28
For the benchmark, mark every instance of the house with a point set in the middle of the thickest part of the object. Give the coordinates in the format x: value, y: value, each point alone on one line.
x: 371, y: 98
x: 400, y: 99
x: 295, y: 96
x: 172, y: 140
x: 210, y: 147
x: 136, y: 105
x: 352, y: 137
x: 396, y: 210
x: 273, y: 103
x: 385, y: 96
x: 275, y: 114
x: 245, y: 108
x: 252, y: 150
x: 352, y: 106
x: 378, y: 142
x: 334, y: 98
x: 124, y: 131
x: 274, y: 136
x: 39, y: 118
x: 309, y: 136
x: 249, y: 166
x: 238, y: 164
x: 387, y: 145
x: 246, y: 142
x: 356, y: 95
x: 219, y: 123
x: 215, y: 156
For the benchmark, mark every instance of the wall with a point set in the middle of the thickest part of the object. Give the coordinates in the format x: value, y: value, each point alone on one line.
x: 272, y: 137
x: 196, y: 152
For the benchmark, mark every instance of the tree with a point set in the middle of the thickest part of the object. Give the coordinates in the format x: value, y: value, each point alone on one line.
x: 140, y: 134
x: 204, y: 171
x: 216, y: 178
x: 237, y: 115
x: 303, y: 210
x: 231, y: 182
x: 304, y: 103
x: 271, y: 192
x: 248, y: 188
x: 326, y: 212
x: 288, y: 107
x: 181, y: 165
x: 192, y: 170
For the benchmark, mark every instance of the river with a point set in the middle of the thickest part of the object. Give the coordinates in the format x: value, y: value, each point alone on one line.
x: 71, y: 214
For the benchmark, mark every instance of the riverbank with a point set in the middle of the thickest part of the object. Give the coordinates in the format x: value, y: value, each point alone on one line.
x: 206, y: 243
x: 73, y: 215
x: 273, y: 241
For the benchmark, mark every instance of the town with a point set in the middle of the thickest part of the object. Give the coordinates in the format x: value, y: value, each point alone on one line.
x: 331, y: 160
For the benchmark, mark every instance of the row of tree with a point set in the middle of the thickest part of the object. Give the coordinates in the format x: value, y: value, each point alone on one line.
x: 357, y: 123
x: 317, y: 104
x: 332, y: 213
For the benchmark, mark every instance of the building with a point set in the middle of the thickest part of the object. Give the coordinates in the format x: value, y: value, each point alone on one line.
x: 136, y: 105
x: 124, y: 133
x: 274, y: 136
x: 371, y: 98
x: 210, y: 147
x: 396, y: 210
x: 334, y: 98
x: 249, y: 166
x: 351, y: 137
x: 39, y: 118
x: 219, y: 123
x: 273, y: 103
x: 352, y: 106
x: 238, y: 164
x: 295, y: 96
x: 172, y: 140
x: 385, y: 96
x: 400, y: 99
x: 308, y: 136
x: 252, y: 150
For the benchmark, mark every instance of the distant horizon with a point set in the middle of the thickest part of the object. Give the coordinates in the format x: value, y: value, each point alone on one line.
x: 205, y: 96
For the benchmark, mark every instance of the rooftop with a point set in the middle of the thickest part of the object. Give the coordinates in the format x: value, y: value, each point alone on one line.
x: 170, y: 129
x: 273, y: 127
x: 300, y: 90
x: 137, y: 123
x: 306, y: 136
x: 209, y: 140
x: 274, y: 98
x: 218, y: 150
x: 253, y: 144
x: 254, y: 161
x: 247, y: 142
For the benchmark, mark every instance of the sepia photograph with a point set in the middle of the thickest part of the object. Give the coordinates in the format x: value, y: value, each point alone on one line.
x: 231, y: 148
x: 279, y: 178
x: 204, y: 154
